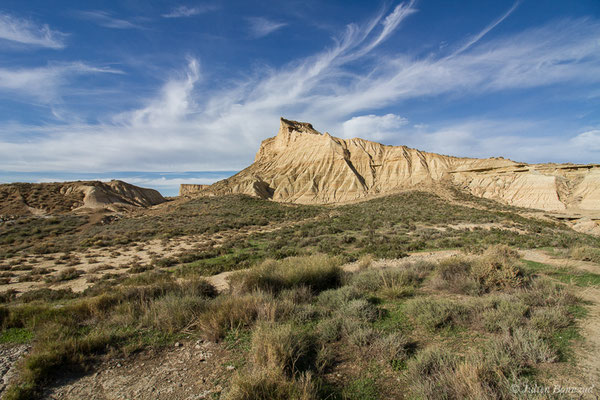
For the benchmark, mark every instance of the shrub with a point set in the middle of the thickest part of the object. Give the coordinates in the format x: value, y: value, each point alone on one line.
x: 64, y: 275
x: 361, y: 310
x: 542, y: 292
x: 548, y: 320
x: 504, y: 312
x: 330, y: 329
x: 393, y: 348
x: 198, y: 287
x: 455, y: 275
x: 172, y: 313
x: 46, y: 294
x: 526, y: 347
x: 435, y: 314
x: 497, y: 268
x: 361, y: 334
x: 282, y: 347
x: 225, y: 313
x: 334, y: 299
x: 585, y: 253
x: 315, y: 272
x: 428, y: 373
x: 272, y: 385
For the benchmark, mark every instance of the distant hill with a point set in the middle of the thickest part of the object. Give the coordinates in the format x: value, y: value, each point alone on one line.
x: 64, y: 197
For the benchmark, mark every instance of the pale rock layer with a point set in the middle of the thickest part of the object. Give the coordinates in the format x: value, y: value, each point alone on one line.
x: 301, y: 165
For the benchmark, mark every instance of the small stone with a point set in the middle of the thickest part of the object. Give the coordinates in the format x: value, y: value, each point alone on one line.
x: 177, y: 344
x: 197, y: 347
x: 230, y: 368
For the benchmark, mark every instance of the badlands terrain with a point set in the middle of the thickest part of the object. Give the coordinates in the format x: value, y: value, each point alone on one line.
x: 328, y: 269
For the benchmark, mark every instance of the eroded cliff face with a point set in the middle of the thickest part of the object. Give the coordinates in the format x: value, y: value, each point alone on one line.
x: 301, y: 165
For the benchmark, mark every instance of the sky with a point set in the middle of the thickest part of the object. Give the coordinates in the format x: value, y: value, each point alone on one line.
x: 159, y: 93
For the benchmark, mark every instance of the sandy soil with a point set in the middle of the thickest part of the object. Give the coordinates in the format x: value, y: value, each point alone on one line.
x: 93, y: 263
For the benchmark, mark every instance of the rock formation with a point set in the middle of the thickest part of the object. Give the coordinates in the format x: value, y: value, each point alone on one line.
x: 56, y: 198
x: 301, y: 165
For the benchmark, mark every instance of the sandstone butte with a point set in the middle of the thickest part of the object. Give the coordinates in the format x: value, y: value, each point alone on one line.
x: 302, y: 165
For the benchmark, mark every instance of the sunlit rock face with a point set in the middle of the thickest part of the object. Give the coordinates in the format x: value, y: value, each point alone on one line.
x: 302, y: 165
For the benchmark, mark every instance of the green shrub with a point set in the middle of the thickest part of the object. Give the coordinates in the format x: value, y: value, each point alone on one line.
x: 271, y: 385
x: 334, y: 299
x: 330, y: 329
x: 225, y: 313
x: 504, y: 312
x: 173, y: 313
x: 498, y: 268
x: 282, y: 347
x: 395, y: 282
x: 542, y: 292
x: 361, y: 310
x: 435, y: 314
x: 550, y: 320
x: 585, y: 253
x: 455, y: 275
x: 318, y: 273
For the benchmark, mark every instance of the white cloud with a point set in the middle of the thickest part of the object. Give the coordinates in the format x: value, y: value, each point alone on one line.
x: 493, y: 138
x: 188, y: 127
x: 106, y: 20
x: 260, y: 26
x: 471, y: 41
x: 174, y: 103
x: 391, y: 22
x: 373, y: 127
x: 44, y: 83
x: 588, y: 141
x: 26, y: 32
x: 185, y: 11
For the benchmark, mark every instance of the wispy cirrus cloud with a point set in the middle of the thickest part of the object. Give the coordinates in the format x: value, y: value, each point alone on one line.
x: 43, y: 84
x: 106, y: 19
x: 476, y: 38
x: 26, y: 32
x: 185, y: 11
x: 261, y: 27
x: 191, y: 126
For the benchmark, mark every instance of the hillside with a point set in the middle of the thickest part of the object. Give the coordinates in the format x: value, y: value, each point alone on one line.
x: 64, y: 197
x: 301, y: 165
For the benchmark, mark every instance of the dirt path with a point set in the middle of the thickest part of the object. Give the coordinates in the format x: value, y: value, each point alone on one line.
x: 9, y: 355
x: 192, y: 370
x: 587, y: 354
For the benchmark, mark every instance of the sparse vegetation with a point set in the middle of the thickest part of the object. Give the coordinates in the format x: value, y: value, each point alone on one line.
x: 467, y: 326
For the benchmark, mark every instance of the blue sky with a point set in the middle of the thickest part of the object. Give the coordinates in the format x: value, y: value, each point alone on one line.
x: 100, y: 89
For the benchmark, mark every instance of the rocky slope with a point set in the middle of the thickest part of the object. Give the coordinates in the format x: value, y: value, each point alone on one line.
x: 63, y: 197
x: 301, y: 165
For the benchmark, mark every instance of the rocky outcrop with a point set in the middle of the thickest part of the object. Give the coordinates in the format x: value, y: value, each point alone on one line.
x: 301, y: 165
x: 192, y: 190
x: 63, y: 197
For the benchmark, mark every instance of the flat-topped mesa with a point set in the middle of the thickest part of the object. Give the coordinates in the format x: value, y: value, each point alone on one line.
x: 302, y: 165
